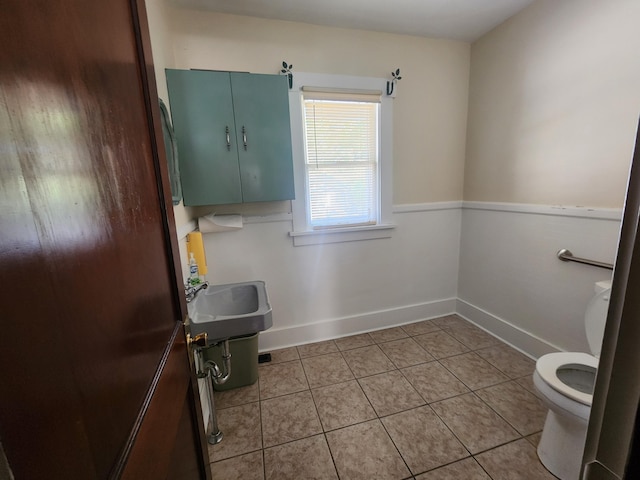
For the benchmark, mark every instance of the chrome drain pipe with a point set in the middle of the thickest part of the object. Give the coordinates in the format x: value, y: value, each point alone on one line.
x: 220, y: 377
x: 212, y: 373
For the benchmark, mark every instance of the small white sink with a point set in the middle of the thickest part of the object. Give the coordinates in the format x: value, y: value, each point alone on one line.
x: 231, y: 310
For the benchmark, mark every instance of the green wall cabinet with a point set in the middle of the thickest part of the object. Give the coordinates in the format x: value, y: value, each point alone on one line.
x: 233, y: 135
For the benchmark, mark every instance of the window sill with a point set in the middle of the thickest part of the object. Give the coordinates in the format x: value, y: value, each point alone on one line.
x: 338, y: 235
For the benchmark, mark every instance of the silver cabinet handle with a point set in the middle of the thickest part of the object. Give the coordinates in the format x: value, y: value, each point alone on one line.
x: 228, y: 138
x: 244, y: 137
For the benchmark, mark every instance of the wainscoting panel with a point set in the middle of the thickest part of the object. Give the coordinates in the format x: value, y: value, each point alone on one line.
x: 511, y: 281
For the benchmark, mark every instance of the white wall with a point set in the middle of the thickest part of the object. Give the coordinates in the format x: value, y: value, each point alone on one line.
x: 161, y: 47
x: 326, y: 291
x: 511, y: 281
x: 554, y: 104
x: 430, y: 109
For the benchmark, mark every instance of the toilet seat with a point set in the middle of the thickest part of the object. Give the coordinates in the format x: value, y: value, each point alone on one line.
x: 565, y: 382
x: 547, y: 367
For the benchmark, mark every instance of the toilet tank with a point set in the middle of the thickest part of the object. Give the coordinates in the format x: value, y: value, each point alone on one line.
x: 595, y: 316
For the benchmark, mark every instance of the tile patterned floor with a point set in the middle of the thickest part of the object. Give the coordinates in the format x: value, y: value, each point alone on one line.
x: 434, y: 400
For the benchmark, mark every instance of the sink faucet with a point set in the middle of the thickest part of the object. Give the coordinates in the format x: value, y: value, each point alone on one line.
x: 191, y: 291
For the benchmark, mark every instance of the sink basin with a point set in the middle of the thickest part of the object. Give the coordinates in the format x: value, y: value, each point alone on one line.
x: 231, y: 310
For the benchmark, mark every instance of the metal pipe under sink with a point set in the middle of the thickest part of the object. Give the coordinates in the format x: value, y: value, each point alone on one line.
x: 212, y: 373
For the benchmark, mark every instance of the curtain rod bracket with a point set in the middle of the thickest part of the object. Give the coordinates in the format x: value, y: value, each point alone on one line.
x: 286, y: 70
x: 390, y: 83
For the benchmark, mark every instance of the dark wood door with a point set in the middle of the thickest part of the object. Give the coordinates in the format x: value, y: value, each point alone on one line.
x: 95, y: 379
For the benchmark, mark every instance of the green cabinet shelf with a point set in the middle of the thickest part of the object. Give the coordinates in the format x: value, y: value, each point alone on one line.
x: 233, y: 135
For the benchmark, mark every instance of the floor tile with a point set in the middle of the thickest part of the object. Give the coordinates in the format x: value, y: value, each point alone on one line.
x: 434, y: 382
x: 388, y: 334
x: 522, y: 409
x: 240, y: 427
x: 419, y: 328
x: 243, y: 467
x: 474, y: 423
x: 471, y: 336
x: 423, y: 440
x: 405, y: 352
x: 354, y: 341
x: 236, y: 396
x: 365, y: 451
x: 390, y: 393
x: 308, y: 458
x: 449, y: 321
x: 318, y: 348
x: 508, y: 360
x: 284, y: 355
x: 281, y: 379
x: 534, y: 439
x: 288, y: 418
x: 473, y: 371
x: 467, y: 469
x: 440, y: 344
x: 274, y: 428
x: 367, y: 361
x: 514, y: 461
x: 342, y: 405
x: 526, y: 382
x: 326, y: 370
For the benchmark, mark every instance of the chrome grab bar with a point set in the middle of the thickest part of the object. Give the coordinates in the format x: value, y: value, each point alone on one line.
x: 566, y: 256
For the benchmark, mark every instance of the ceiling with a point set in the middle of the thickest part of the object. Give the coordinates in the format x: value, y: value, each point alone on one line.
x: 465, y: 20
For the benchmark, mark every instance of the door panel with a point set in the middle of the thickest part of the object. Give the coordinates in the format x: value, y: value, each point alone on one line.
x: 184, y: 458
x: 612, y: 448
x: 89, y: 295
x: 164, y: 427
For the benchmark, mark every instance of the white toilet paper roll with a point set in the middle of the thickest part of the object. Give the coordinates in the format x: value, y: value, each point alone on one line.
x: 213, y: 223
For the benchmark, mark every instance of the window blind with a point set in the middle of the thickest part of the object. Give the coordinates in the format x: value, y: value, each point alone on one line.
x: 341, y: 149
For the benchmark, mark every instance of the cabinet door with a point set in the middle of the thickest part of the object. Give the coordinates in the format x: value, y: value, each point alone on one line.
x: 261, y: 104
x: 202, y: 112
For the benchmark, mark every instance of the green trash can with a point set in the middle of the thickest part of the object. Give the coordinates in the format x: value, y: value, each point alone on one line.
x: 244, y: 361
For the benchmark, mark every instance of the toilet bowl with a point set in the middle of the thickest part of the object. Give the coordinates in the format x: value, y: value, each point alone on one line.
x: 565, y: 382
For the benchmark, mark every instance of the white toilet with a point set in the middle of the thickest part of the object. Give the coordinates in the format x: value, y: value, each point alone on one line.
x: 566, y: 380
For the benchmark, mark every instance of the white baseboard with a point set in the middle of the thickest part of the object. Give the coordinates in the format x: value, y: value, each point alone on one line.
x: 518, y: 338
x: 525, y: 342
x: 276, y: 338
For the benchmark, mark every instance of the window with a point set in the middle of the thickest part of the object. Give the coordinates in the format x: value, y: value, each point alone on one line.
x: 342, y: 159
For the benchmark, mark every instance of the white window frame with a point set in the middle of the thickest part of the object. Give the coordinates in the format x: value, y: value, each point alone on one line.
x: 302, y: 233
